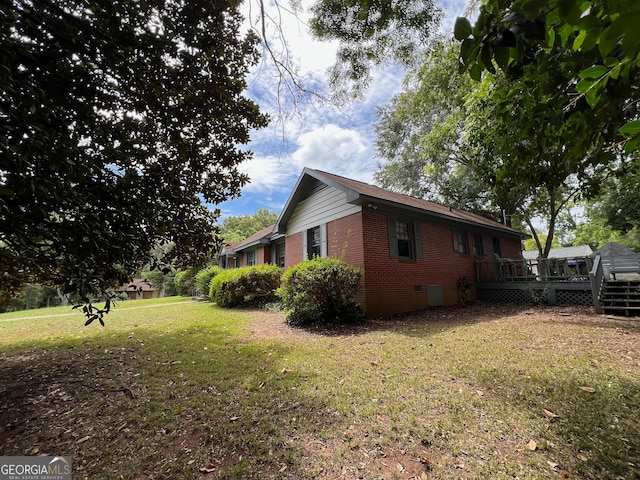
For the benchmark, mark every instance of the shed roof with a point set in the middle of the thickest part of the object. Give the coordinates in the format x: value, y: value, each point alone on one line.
x: 612, y: 248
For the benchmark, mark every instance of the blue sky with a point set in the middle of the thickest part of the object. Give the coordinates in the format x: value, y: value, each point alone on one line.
x: 317, y: 135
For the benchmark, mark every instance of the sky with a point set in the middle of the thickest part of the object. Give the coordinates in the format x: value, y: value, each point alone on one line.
x: 315, y: 135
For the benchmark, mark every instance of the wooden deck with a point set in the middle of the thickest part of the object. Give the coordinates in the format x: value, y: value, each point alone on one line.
x: 558, y: 281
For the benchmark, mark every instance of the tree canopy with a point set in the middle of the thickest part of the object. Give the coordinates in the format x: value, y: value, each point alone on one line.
x: 581, y: 58
x: 445, y: 138
x: 372, y: 32
x: 119, y: 120
x: 237, y: 228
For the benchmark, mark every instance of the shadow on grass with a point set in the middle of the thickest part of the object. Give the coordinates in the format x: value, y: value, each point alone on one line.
x: 422, y: 323
x: 595, y: 432
x: 158, y: 403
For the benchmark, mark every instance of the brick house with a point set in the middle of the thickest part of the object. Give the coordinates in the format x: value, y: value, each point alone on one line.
x: 413, y: 252
x: 139, y: 289
x: 261, y: 247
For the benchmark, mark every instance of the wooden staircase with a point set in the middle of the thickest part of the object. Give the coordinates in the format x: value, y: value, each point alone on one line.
x: 621, y: 297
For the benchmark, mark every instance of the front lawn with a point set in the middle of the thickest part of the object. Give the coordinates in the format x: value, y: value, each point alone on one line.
x: 188, y: 390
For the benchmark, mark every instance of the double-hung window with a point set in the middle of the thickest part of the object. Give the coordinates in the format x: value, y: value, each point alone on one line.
x: 280, y: 254
x: 404, y: 239
x: 477, y: 246
x: 251, y: 257
x: 313, y: 242
x: 460, y: 241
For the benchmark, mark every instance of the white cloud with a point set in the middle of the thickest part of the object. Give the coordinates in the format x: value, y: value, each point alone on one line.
x: 452, y: 10
x: 334, y: 149
x: 269, y: 175
x: 311, y: 134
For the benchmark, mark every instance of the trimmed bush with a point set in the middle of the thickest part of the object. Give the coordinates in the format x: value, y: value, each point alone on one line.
x: 185, y: 282
x: 203, y: 279
x: 245, y: 286
x: 321, y: 290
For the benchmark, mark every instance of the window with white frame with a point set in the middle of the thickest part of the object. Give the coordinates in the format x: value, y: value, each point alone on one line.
x: 314, y: 241
x: 251, y: 257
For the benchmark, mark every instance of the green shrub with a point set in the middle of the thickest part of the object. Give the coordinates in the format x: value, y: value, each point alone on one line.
x: 185, y: 282
x: 321, y: 290
x: 203, y: 279
x: 245, y: 286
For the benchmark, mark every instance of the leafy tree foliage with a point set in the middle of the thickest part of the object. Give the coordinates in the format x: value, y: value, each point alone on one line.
x: 185, y: 282
x: 447, y: 138
x: 371, y: 33
x: 118, y: 118
x: 579, y: 58
x: 621, y: 201
x: 235, y: 229
x: 421, y: 137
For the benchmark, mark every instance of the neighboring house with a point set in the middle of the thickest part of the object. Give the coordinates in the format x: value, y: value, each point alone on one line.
x: 261, y: 247
x: 560, y: 261
x: 414, y: 253
x: 579, y: 251
x: 138, y: 289
x: 227, y: 257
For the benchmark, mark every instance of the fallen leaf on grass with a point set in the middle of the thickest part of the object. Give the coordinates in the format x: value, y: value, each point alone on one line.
x: 550, y: 414
x: 552, y: 464
x: 233, y: 419
x: 260, y: 385
x: 208, y: 469
x: 583, y: 457
x: 532, y: 445
x: 286, y: 370
x: 588, y: 389
x: 284, y: 467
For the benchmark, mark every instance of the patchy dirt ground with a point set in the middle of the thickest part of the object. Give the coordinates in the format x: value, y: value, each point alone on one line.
x: 64, y: 399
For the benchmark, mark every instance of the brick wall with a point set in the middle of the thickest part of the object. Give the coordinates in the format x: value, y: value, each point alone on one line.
x: 264, y: 254
x: 392, y: 285
x: 511, y: 248
x: 396, y: 285
x: 293, y: 250
x: 345, y: 241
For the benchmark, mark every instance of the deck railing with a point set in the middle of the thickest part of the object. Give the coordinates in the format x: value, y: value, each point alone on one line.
x: 571, y: 269
x: 621, y: 265
x: 596, y: 277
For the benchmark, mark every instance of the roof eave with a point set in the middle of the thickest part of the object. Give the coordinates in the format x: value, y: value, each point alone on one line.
x: 363, y: 200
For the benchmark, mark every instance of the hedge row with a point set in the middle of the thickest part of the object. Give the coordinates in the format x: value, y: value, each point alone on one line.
x: 321, y: 290
x: 246, y: 285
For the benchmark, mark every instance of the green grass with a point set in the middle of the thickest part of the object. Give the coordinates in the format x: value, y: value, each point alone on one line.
x: 165, y: 390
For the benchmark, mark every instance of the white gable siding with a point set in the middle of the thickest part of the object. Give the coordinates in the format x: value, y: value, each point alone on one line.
x: 320, y: 207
